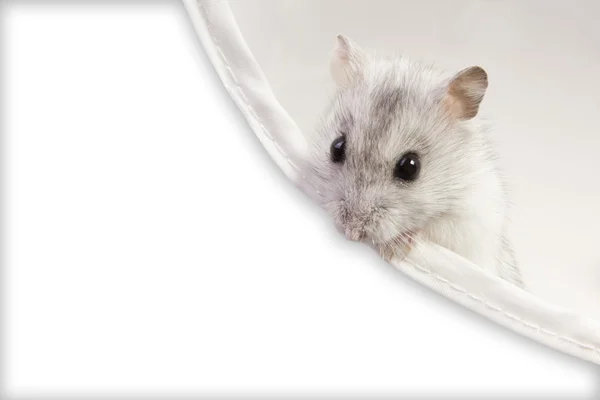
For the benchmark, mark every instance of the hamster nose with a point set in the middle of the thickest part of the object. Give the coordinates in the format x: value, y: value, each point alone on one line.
x: 354, y: 234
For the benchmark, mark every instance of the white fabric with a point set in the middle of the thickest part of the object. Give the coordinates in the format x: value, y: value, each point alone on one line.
x: 565, y: 329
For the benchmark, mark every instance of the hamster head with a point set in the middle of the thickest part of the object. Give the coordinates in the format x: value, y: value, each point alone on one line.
x: 397, y: 147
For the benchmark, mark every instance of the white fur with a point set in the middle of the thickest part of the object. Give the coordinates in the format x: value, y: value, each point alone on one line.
x: 386, y: 108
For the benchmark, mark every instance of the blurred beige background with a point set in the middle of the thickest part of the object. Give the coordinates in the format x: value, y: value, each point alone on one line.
x: 543, y: 59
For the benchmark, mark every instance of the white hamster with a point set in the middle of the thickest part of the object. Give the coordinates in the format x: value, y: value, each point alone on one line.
x: 400, y: 156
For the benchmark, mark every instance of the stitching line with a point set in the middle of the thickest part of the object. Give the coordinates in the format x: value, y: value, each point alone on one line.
x: 446, y: 282
x: 243, y: 96
x: 505, y: 313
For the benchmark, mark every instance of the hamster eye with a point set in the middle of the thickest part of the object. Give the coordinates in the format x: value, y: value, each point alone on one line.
x: 408, y: 167
x: 338, y: 150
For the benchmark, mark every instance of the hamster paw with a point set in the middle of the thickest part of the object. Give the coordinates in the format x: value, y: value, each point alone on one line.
x: 393, y: 252
x: 398, y: 248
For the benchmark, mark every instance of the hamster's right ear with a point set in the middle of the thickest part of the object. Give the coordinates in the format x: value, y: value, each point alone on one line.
x: 347, y: 62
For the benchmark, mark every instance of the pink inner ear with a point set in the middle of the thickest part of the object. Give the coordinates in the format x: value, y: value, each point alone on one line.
x: 465, y: 93
x: 342, y: 49
x: 341, y: 54
x: 346, y: 63
x: 453, y: 106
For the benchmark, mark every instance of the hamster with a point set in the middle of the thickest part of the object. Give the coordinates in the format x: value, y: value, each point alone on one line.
x: 400, y: 156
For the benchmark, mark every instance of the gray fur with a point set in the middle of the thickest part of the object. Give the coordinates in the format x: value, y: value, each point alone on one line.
x: 459, y: 200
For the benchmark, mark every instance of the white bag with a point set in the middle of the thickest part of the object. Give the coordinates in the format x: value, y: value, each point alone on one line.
x: 272, y: 55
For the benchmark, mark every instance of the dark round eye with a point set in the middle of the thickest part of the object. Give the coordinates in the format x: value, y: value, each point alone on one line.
x: 408, y: 167
x: 338, y: 150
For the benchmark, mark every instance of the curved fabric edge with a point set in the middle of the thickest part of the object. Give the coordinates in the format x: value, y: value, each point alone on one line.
x: 431, y: 265
x: 245, y: 82
x: 502, y: 302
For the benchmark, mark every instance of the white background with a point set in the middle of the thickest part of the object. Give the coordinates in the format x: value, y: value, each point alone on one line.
x: 152, y: 248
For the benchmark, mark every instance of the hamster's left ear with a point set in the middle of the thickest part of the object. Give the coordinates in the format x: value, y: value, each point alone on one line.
x: 465, y: 92
x: 347, y: 62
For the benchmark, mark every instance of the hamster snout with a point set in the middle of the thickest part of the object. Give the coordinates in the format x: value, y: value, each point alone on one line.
x: 368, y: 223
x: 354, y: 224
